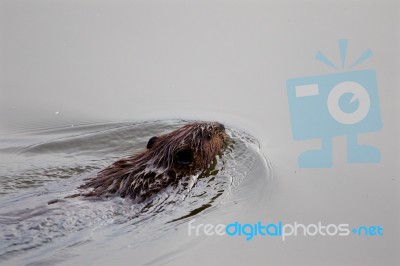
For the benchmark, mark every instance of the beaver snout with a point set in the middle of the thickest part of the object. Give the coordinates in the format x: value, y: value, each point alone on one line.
x: 220, y: 126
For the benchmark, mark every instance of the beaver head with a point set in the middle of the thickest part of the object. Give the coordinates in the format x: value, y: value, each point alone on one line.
x: 168, y: 158
x: 187, y: 149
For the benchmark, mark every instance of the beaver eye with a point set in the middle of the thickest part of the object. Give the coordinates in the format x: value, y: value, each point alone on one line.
x: 208, y: 136
x: 184, y: 156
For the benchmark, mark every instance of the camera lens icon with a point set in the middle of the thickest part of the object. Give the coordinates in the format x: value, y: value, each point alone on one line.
x: 359, y: 95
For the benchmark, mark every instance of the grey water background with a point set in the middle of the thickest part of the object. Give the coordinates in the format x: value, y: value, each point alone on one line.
x: 66, y: 63
x: 51, y: 164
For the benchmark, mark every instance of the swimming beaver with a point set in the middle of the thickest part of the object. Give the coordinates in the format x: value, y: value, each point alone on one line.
x: 168, y: 158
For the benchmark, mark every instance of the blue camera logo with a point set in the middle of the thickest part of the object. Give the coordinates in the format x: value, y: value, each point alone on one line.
x: 344, y: 103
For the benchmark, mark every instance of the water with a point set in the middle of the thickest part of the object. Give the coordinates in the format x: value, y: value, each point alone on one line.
x: 86, y: 63
x: 50, y: 164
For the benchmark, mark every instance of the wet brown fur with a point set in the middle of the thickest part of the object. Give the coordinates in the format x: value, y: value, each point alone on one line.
x: 184, y: 152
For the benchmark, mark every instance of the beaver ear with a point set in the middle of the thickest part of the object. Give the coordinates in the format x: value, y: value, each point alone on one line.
x: 151, y: 142
x: 184, y: 156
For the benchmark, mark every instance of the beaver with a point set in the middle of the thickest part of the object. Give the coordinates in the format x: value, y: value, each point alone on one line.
x: 169, y: 158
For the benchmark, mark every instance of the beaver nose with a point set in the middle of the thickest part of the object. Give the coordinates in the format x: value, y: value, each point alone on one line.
x: 219, y: 126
